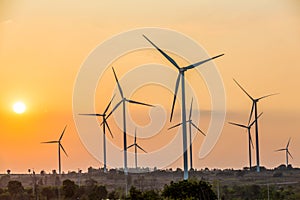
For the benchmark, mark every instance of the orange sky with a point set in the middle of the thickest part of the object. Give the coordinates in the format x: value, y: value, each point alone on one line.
x: 44, y: 43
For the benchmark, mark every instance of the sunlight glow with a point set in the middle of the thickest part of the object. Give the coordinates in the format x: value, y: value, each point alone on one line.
x: 19, y: 107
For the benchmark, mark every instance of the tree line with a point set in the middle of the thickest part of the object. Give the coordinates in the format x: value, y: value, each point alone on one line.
x: 91, y: 190
x: 190, y: 189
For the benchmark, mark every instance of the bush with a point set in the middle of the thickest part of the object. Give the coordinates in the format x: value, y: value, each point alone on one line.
x: 189, y: 189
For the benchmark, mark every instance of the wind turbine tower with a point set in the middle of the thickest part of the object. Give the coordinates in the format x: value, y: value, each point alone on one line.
x: 105, y: 124
x: 181, y: 73
x: 254, y: 108
x: 60, y: 146
x: 123, y: 101
x: 136, y: 146
x: 191, y: 123
x: 287, y: 153
x: 250, y: 143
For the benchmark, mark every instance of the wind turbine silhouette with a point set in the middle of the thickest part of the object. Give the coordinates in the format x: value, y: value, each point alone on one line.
x: 287, y: 153
x: 60, y: 146
x: 250, y: 143
x: 191, y: 123
x: 136, y: 146
x: 105, y: 124
x: 123, y: 102
x: 183, y: 107
x: 254, y: 108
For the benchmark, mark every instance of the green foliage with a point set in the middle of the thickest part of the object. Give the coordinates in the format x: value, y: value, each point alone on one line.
x: 190, y: 189
x: 151, y: 194
x: 116, y: 194
x: 135, y: 194
x: 250, y: 192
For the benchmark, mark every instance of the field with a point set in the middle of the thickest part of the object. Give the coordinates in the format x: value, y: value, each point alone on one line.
x: 223, y: 182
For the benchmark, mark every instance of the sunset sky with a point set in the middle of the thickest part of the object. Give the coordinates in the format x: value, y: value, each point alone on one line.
x: 43, y: 44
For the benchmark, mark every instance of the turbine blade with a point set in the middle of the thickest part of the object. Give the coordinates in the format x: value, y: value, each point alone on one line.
x: 62, y: 134
x: 130, y: 146
x: 63, y: 149
x: 175, y: 94
x: 163, y: 53
x: 138, y: 146
x: 201, y: 62
x: 288, y: 144
x: 267, y: 96
x: 49, y: 142
x: 174, y: 126
x: 280, y: 150
x: 235, y: 124
x: 119, y: 86
x: 108, y: 128
x: 290, y: 154
x: 251, y: 142
x: 198, y: 128
x: 243, y: 90
x: 255, y: 119
x: 116, y: 106
x: 136, y: 102
x: 106, y: 109
x: 251, y: 112
x: 191, y: 108
x: 96, y: 114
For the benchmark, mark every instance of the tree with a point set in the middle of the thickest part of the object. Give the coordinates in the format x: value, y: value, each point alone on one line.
x: 15, y: 189
x: 189, y: 189
x: 135, y: 194
x: 69, y: 188
x: 151, y: 194
x: 49, y: 192
x: 116, y: 194
x: 98, y: 192
x: 113, y: 195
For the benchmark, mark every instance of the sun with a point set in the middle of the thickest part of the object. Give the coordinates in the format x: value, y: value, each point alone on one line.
x: 19, y: 107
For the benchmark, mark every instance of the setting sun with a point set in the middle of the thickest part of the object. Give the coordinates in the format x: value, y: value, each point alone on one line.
x: 19, y: 107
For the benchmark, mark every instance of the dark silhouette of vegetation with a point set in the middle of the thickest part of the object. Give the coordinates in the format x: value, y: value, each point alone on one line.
x: 249, y: 192
x: 189, y: 189
x: 49, y: 192
x: 16, y: 191
x: 279, y: 183
x: 69, y: 189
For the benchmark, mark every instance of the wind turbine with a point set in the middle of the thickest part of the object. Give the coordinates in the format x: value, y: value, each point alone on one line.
x: 191, y: 123
x: 136, y: 146
x: 183, y: 107
x: 287, y: 153
x: 248, y: 127
x: 254, y: 108
x: 105, y: 124
x: 60, y: 146
x: 123, y: 102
